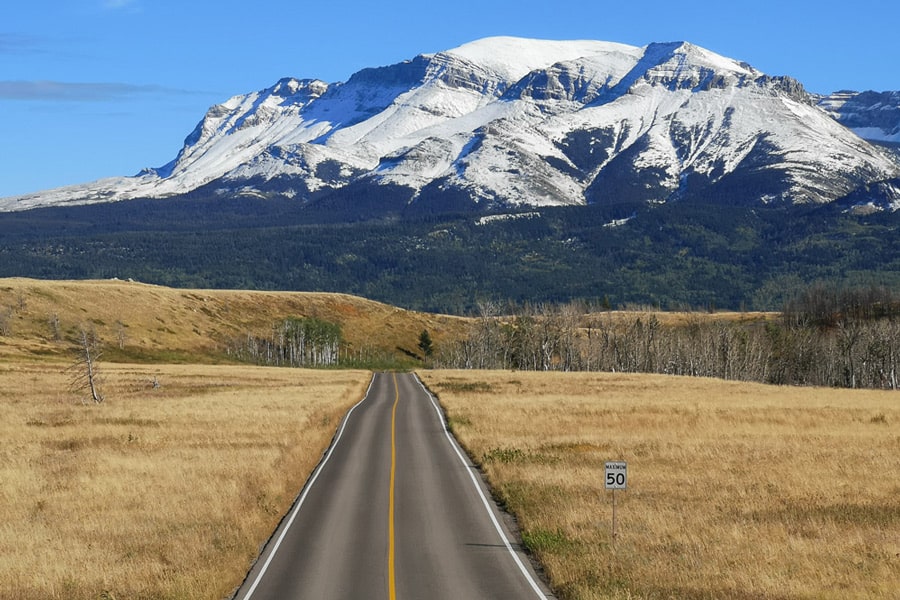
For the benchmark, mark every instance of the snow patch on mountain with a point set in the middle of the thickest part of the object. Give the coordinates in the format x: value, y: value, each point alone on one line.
x: 512, y: 58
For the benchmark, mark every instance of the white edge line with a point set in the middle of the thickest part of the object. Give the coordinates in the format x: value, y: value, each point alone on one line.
x: 484, y: 500
x: 306, y: 489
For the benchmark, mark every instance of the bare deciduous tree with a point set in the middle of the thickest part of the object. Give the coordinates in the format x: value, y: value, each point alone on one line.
x: 120, y: 334
x: 84, y: 369
x: 6, y: 321
x: 849, y: 339
x: 55, y: 328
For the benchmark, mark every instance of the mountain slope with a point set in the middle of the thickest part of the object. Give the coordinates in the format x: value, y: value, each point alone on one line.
x: 874, y: 116
x: 515, y: 122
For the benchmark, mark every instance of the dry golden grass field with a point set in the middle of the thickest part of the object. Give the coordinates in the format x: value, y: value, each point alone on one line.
x: 160, y: 492
x: 735, y: 490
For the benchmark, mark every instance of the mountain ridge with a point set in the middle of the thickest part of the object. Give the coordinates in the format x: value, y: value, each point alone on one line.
x: 510, y: 122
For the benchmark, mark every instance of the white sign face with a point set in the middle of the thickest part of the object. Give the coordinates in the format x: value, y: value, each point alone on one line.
x: 616, y: 475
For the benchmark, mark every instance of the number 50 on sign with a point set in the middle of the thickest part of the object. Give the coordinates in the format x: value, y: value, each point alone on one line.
x: 616, y: 475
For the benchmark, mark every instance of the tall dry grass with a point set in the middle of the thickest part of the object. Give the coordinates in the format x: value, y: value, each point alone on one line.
x: 161, y: 492
x: 735, y: 490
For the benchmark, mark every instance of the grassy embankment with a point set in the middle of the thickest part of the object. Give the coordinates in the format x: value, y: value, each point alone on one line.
x: 735, y: 490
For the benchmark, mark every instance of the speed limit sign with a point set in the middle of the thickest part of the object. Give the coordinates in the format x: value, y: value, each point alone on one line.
x: 616, y: 479
x: 616, y: 475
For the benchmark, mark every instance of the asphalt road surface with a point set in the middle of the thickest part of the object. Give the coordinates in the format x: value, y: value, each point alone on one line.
x: 394, y: 511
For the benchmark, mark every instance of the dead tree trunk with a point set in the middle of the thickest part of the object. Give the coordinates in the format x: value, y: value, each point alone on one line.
x: 85, y: 370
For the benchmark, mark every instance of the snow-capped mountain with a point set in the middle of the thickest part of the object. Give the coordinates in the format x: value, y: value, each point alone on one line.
x: 509, y: 121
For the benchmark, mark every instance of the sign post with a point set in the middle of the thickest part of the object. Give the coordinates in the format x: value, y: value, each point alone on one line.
x: 616, y: 479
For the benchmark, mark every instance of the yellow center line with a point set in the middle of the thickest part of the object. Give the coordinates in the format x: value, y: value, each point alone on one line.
x: 392, y: 590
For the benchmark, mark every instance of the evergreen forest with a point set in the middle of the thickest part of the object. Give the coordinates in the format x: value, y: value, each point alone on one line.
x: 674, y: 256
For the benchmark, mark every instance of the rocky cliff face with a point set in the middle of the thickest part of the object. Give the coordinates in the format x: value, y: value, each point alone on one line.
x: 874, y: 116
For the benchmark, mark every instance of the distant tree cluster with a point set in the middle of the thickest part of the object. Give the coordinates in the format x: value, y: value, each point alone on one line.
x: 294, y: 342
x: 842, y: 338
x: 828, y: 306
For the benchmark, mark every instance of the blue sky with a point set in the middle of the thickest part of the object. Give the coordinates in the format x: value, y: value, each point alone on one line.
x: 97, y: 88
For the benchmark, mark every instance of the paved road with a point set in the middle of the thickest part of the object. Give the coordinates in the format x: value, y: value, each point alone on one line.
x: 394, y: 511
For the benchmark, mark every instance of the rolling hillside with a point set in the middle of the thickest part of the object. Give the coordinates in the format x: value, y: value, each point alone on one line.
x: 140, y: 322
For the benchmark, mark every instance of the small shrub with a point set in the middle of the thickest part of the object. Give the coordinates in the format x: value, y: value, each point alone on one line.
x: 466, y: 386
x: 544, y: 540
x: 504, y: 455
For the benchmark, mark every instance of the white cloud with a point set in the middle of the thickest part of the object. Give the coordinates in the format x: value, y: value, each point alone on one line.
x: 57, y: 91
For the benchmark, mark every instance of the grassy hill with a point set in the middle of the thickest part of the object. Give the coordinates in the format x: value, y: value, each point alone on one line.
x: 143, y: 323
x: 147, y: 323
